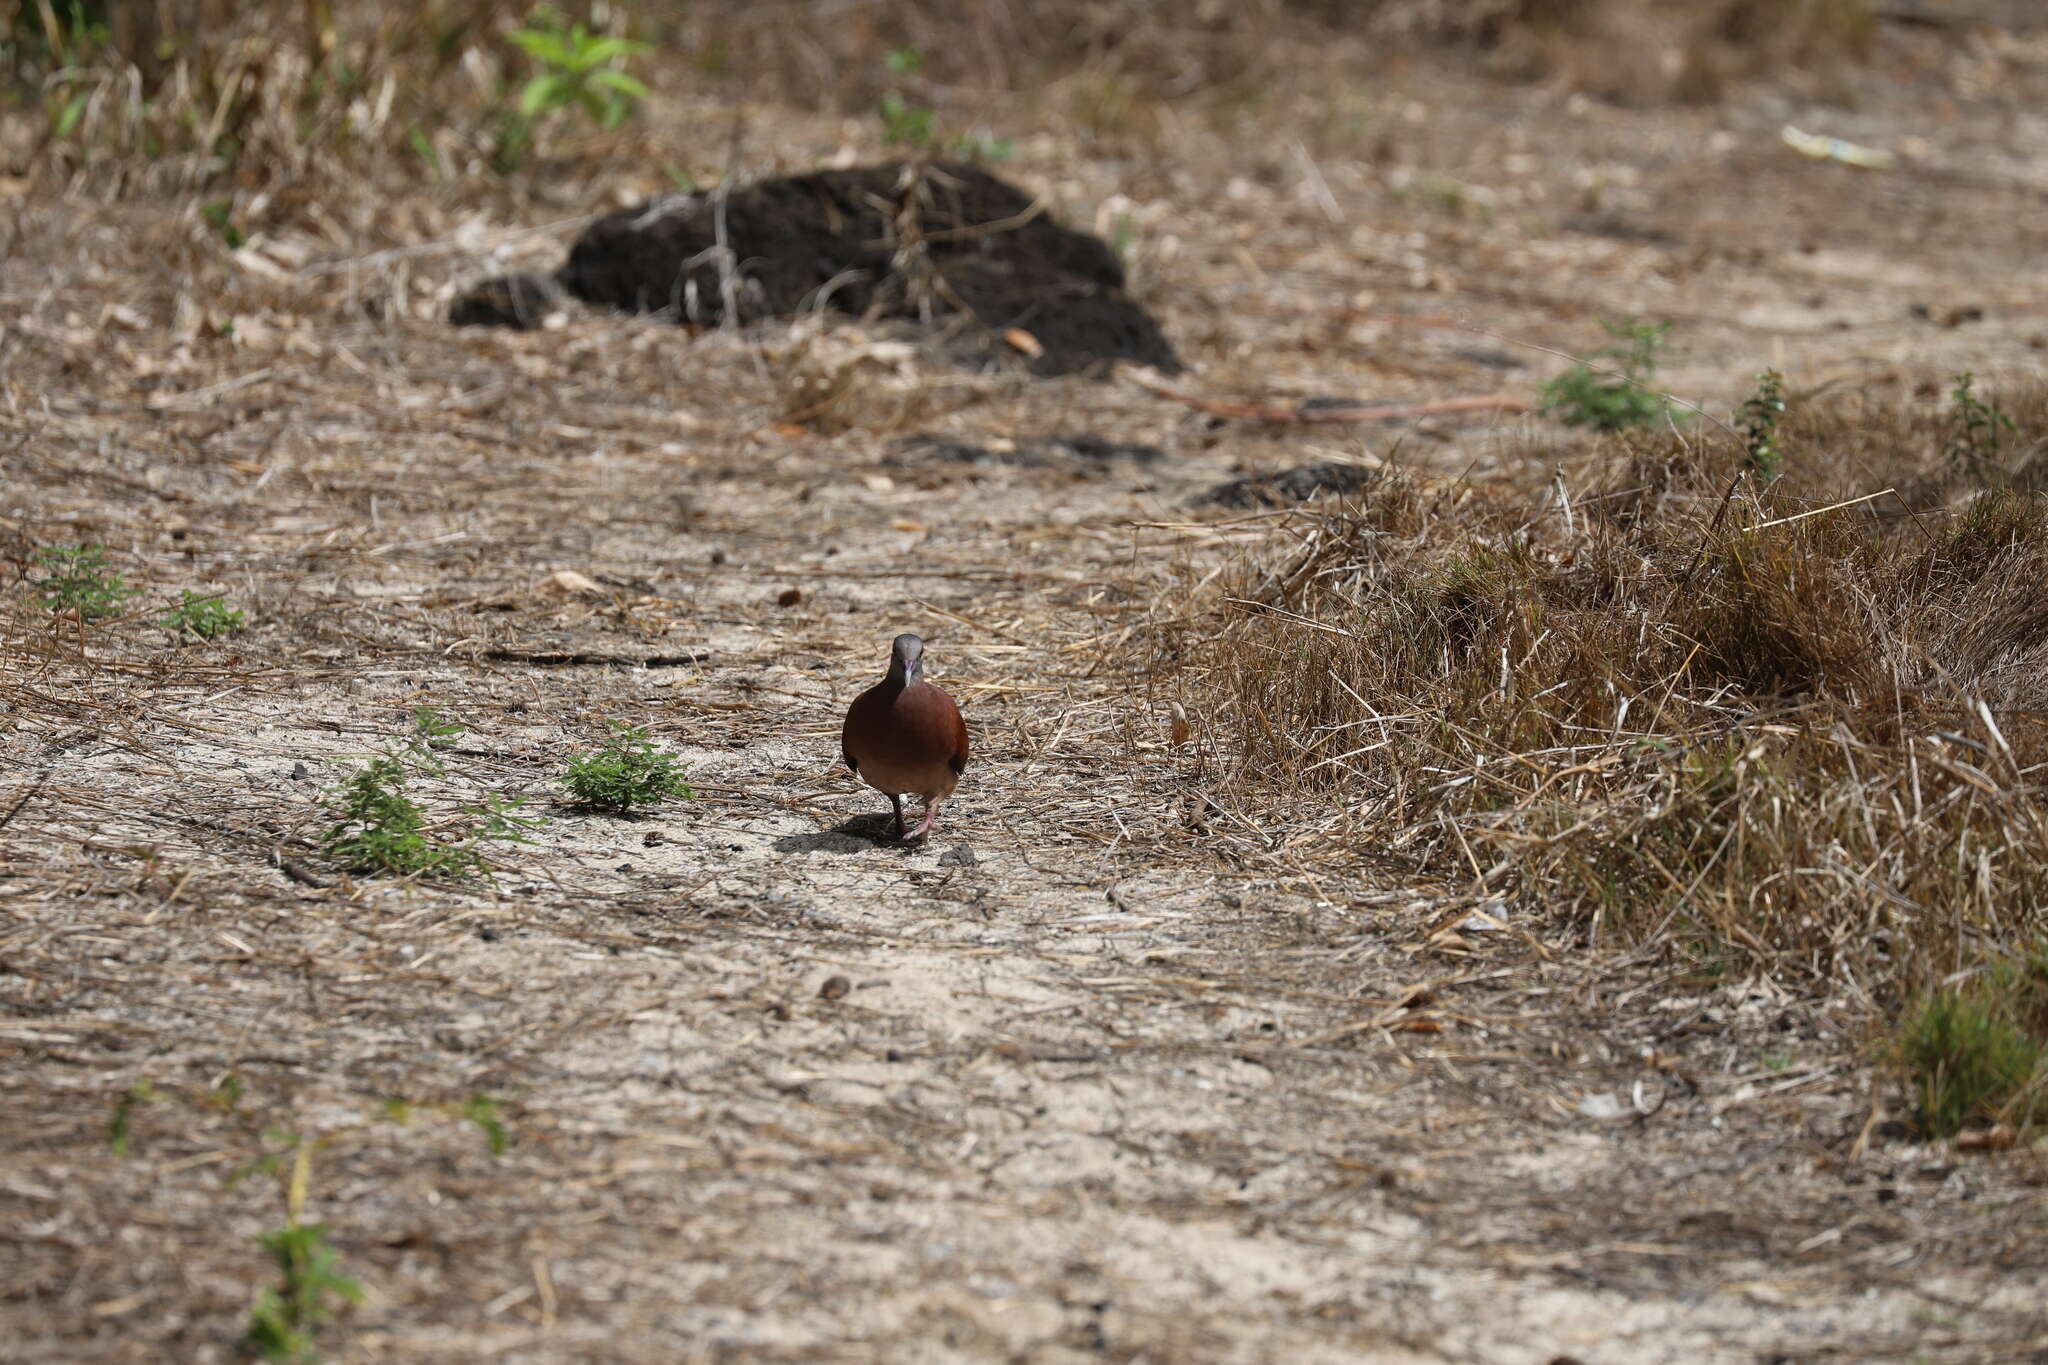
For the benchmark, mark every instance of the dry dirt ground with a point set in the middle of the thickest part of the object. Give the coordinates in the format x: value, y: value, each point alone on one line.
x: 1104, y: 1071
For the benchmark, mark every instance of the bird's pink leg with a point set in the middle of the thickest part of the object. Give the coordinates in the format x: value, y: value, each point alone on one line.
x: 924, y: 826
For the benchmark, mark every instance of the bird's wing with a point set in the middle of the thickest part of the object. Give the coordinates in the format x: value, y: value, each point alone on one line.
x: 958, y: 762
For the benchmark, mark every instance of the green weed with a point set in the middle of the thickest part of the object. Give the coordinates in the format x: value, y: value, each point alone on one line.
x: 202, y: 615
x: 1976, y: 427
x: 487, y: 1113
x: 117, y: 1127
x: 625, y: 771
x: 906, y: 124
x: 1619, y: 395
x: 1965, y: 1061
x: 1980, y: 1050
x: 219, y: 215
x: 378, y: 827
x: 80, y: 581
x: 579, y: 70
x: 431, y: 730
x: 1759, y: 425
x: 287, y: 1316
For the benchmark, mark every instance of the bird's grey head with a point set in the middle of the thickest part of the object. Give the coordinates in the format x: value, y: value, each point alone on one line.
x: 906, y: 659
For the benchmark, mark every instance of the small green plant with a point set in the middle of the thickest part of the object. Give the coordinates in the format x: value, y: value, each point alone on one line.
x: 203, y: 616
x: 117, y: 1127
x: 625, y: 771
x: 488, y: 1114
x: 227, y: 1095
x: 1980, y: 1050
x: 486, y: 1111
x: 287, y: 1316
x: 579, y: 70
x: 1975, y: 426
x: 1759, y: 424
x: 422, y: 147
x: 1617, y: 396
x: 431, y: 730
x: 378, y: 827
x: 905, y: 124
x: 219, y: 215
x: 982, y: 146
x: 80, y: 582
x: 68, y: 110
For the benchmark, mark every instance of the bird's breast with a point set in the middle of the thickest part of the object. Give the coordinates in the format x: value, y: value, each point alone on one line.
x: 906, y: 740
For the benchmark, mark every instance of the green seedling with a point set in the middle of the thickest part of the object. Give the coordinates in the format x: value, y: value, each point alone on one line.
x: 219, y: 215
x: 486, y: 1111
x: 201, y: 615
x: 288, y: 1316
x: 431, y: 730
x: 488, y: 1114
x: 980, y: 146
x: 1976, y: 428
x: 1619, y: 395
x: 1759, y: 425
x: 117, y: 1127
x: 80, y: 582
x: 905, y: 124
x: 626, y: 770
x: 378, y: 827
x: 579, y: 70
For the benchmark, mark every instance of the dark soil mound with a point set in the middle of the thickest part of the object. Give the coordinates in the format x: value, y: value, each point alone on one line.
x: 924, y: 242
x: 1290, y: 486
x: 521, y: 301
x: 1036, y: 452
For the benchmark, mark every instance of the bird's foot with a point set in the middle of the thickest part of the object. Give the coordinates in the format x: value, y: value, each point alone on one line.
x: 924, y: 825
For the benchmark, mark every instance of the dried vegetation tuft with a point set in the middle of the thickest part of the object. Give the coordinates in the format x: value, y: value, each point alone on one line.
x: 1799, y: 728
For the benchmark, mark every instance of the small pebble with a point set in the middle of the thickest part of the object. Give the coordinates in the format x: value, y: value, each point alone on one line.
x: 835, y: 988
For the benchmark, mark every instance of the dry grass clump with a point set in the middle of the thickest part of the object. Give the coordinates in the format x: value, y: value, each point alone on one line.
x: 1757, y: 729
x: 168, y: 95
x: 1640, y: 52
x: 279, y: 96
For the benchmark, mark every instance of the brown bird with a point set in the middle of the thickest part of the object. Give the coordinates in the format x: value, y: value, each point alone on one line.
x: 904, y: 737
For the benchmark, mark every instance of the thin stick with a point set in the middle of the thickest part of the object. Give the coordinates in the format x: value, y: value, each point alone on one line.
x: 1831, y: 507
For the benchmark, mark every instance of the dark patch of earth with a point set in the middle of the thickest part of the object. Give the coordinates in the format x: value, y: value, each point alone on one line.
x: 902, y: 240
x: 1289, y: 486
x: 1033, y: 452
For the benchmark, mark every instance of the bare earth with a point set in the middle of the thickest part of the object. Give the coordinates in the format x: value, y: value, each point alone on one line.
x: 1103, y: 1071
